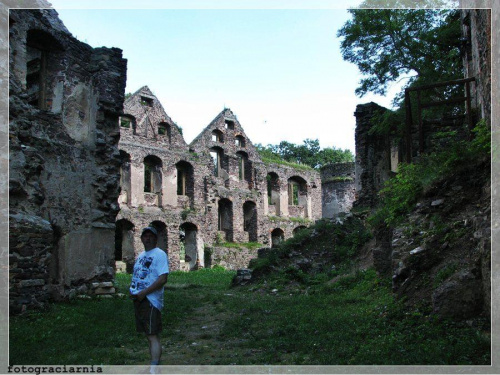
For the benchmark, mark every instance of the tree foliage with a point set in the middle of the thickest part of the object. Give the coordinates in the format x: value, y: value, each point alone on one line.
x: 388, y: 45
x: 309, y: 153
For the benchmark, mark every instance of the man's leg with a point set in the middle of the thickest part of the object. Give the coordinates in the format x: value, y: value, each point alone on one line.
x: 154, y: 348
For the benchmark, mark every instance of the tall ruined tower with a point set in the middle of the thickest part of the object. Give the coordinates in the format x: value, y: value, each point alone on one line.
x: 65, y: 100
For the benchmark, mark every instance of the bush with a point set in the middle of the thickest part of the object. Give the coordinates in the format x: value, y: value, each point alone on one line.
x: 401, y: 192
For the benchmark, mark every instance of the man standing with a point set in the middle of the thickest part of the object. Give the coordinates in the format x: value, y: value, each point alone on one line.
x: 146, y: 290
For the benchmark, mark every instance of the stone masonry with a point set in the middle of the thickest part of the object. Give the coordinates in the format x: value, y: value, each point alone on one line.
x: 65, y: 100
x: 373, y: 155
x: 198, y: 196
x: 338, y: 188
x: 476, y: 52
x: 88, y: 170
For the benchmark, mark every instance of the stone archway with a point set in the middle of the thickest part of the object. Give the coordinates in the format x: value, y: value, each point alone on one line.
x: 250, y: 220
x: 277, y: 237
x: 161, y: 228
x: 298, y: 229
x: 225, y: 218
x: 189, y: 244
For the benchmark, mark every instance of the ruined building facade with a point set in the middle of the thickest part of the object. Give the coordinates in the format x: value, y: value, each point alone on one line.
x: 87, y: 171
x: 65, y: 100
x: 212, y: 191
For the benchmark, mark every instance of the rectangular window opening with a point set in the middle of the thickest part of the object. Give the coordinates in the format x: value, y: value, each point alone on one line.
x: 125, y: 123
x: 145, y: 101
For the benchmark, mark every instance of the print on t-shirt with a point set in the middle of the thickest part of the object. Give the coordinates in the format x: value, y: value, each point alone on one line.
x: 141, y: 271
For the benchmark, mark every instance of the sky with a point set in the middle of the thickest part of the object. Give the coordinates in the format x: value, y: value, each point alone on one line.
x: 279, y: 70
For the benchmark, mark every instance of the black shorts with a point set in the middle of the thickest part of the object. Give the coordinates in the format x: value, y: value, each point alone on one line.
x: 147, y: 317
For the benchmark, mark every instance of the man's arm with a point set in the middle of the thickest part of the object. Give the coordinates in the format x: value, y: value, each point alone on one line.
x: 160, y: 281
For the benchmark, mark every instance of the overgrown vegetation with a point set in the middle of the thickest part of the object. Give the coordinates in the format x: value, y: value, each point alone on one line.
x: 332, y: 245
x: 401, y: 192
x: 390, y: 45
x: 337, y: 179
x: 276, y: 160
x: 234, y: 245
x: 306, y: 156
x: 300, y: 220
x: 354, y: 321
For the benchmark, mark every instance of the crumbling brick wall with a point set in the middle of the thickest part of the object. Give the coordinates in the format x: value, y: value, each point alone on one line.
x: 65, y: 99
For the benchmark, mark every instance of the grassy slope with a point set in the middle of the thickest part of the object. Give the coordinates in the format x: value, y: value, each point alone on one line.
x: 293, y: 314
x: 353, y: 321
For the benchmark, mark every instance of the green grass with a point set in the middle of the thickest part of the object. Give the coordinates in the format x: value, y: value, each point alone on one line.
x: 277, y: 160
x: 354, y: 321
x: 234, y: 245
x: 400, y: 193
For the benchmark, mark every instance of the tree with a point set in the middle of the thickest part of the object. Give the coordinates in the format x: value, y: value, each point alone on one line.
x: 388, y: 45
x: 308, y: 153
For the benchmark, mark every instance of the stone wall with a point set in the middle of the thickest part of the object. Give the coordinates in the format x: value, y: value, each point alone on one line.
x: 338, y: 188
x: 373, y: 155
x: 476, y: 31
x: 231, y: 258
x: 211, y: 191
x: 65, y: 99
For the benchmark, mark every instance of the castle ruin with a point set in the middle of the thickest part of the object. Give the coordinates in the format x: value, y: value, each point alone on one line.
x: 215, y: 190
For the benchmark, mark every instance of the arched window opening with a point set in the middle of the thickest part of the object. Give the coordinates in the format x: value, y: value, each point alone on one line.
x: 297, y: 197
x: 165, y: 130
x: 125, y: 178
x: 239, y: 141
x: 185, y: 179
x: 242, y: 160
x: 293, y: 193
x: 125, y: 122
x: 217, y: 155
x: 229, y: 124
x: 297, y: 191
x: 277, y: 237
x: 217, y: 136
x: 128, y: 123
x: 250, y: 220
x: 152, y: 174
x: 273, y: 188
x: 299, y: 229
x: 124, y: 246
x: 225, y: 218
x: 188, y: 242
x: 244, y: 167
x: 161, y: 228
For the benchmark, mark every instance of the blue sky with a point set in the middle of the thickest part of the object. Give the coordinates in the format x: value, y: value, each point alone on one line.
x: 279, y: 70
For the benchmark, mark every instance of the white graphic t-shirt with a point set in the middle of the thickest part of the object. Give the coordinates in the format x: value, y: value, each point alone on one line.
x: 148, y: 267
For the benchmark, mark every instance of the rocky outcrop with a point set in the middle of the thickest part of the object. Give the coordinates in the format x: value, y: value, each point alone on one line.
x: 441, y: 252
